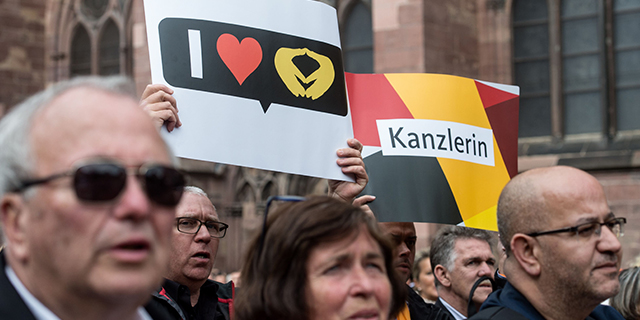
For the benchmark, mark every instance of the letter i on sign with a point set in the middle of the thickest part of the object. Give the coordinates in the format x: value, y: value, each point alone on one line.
x: 195, y: 53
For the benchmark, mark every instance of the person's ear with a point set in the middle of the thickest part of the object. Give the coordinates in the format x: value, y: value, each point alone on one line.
x: 526, y: 251
x: 14, y: 223
x: 443, y: 276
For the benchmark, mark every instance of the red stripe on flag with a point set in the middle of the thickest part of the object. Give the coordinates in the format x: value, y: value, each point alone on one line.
x: 372, y: 97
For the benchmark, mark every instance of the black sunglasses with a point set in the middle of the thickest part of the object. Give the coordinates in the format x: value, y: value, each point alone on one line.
x: 105, y: 181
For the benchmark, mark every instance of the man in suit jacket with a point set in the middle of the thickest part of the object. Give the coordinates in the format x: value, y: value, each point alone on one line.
x: 87, y: 203
x: 459, y: 257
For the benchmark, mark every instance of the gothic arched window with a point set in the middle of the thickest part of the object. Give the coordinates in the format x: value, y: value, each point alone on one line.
x: 96, y: 45
x: 357, y: 38
x: 80, y: 52
x: 109, y: 60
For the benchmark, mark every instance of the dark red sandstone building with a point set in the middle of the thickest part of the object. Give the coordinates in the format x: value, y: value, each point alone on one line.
x: 577, y: 62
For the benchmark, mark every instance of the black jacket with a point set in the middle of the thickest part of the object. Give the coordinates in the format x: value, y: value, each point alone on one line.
x: 215, y: 301
x: 12, y: 307
x: 509, y: 299
x: 11, y: 304
x: 419, y: 310
x: 443, y: 308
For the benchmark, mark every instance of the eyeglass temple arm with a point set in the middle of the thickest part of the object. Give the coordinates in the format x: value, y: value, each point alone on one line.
x: 24, y: 184
x: 266, y: 211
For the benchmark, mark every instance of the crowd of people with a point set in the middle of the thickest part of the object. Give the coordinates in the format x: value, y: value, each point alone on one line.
x: 98, y: 223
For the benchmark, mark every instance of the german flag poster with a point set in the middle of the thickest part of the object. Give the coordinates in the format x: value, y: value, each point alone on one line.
x: 438, y: 148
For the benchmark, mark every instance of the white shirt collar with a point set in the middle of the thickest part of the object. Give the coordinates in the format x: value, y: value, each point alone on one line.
x: 455, y: 313
x: 39, y: 310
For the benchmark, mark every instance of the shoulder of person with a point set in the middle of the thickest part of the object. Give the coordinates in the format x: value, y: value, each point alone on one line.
x: 225, y: 290
x: 498, y: 313
x: 605, y: 312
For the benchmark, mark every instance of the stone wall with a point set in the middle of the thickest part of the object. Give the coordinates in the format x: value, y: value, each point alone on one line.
x: 21, y: 49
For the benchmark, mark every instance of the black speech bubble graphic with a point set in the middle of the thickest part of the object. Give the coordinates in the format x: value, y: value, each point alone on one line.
x: 264, y: 83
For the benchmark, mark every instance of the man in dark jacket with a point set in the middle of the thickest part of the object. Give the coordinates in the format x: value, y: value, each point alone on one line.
x: 403, y: 236
x: 460, y: 257
x: 562, y: 247
x: 87, y: 200
x: 187, y: 293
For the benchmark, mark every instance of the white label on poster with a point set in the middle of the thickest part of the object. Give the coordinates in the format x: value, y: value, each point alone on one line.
x: 433, y: 138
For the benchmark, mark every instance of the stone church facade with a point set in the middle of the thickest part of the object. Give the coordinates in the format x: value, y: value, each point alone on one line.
x: 575, y: 61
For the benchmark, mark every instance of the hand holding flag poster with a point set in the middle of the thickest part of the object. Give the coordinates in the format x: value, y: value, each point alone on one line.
x: 258, y: 83
x: 438, y: 148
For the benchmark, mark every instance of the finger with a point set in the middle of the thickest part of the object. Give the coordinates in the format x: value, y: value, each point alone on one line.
x: 164, y: 117
x: 363, y: 200
x: 158, y: 106
x: 359, y: 173
x: 160, y: 97
x: 354, y: 143
x: 345, y: 162
x: 154, y: 88
x: 368, y: 211
x: 348, y: 153
x: 358, y: 170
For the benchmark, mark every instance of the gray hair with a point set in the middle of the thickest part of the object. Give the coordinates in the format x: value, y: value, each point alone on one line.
x: 198, y: 191
x: 627, y: 300
x: 443, y: 246
x: 16, y: 161
x: 195, y: 190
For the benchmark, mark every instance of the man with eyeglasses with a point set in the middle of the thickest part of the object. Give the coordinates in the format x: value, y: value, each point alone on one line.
x: 187, y: 293
x: 87, y: 201
x: 562, y: 248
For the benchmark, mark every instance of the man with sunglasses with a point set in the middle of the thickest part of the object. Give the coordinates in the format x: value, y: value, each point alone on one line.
x: 87, y: 202
x: 187, y: 293
x: 562, y: 246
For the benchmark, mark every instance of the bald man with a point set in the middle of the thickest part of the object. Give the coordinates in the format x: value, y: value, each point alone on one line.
x: 562, y: 248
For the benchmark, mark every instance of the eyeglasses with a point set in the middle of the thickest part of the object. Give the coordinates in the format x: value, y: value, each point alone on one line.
x: 266, y: 211
x: 105, y: 181
x: 588, y: 229
x: 192, y: 226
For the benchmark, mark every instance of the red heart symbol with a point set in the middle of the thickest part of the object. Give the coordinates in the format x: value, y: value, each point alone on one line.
x: 242, y: 58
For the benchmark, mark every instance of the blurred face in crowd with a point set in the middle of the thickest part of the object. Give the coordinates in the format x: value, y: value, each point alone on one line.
x: 425, y: 282
x: 347, y: 279
x: 111, y: 250
x: 403, y: 236
x: 193, y: 255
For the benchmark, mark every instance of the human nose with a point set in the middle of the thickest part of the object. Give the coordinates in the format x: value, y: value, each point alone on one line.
x: 203, y: 234
x: 134, y: 203
x: 485, y: 270
x: 608, y: 241
x: 403, y: 249
x: 361, y: 283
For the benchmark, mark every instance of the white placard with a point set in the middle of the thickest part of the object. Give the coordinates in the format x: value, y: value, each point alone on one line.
x: 246, y: 130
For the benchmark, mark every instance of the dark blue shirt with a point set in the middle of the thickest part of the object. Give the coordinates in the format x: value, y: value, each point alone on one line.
x: 511, y: 298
